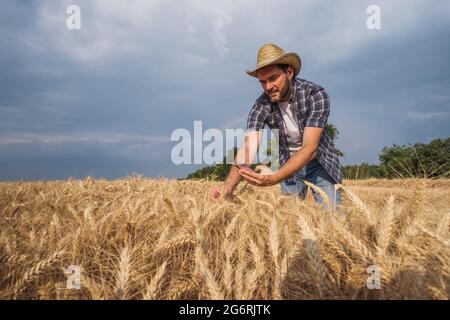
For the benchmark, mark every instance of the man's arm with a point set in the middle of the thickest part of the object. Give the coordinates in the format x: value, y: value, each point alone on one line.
x: 319, y: 106
x: 311, y: 139
x: 255, y: 123
x: 246, y: 154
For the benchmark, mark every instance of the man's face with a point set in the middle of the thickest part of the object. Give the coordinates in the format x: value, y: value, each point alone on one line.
x: 275, y: 83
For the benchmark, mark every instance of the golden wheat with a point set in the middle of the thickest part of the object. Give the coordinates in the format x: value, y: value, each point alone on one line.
x: 138, y: 238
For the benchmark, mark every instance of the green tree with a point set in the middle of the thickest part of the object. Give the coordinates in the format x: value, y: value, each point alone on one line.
x: 334, y: 133
x: 363, y: 171
x: 424, y: 160
x: 430, y: 160
x: 217, y: 172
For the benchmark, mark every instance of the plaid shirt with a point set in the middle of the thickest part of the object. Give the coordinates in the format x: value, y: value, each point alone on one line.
x: 312, y: 104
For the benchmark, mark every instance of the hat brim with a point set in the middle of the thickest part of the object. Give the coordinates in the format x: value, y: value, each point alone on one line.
x: 290, y: 58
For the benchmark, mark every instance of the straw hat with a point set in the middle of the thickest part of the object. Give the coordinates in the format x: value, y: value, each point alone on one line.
x: 270, y: 54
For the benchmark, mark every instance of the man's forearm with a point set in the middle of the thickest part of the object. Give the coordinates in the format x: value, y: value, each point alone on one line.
x: 296, y: 162
x: 233, y: 178
x: 246, y: 154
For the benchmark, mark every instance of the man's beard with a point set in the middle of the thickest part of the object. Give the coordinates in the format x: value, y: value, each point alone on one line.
x: 283, y: 94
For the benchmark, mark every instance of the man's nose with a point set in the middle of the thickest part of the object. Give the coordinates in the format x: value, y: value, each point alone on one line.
x: 269, y: 87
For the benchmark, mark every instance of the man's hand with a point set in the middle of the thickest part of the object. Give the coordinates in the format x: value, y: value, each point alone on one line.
x: 265, y: 178
x: 246, y: 154
x: 263, y: 169
x: 217, y: 191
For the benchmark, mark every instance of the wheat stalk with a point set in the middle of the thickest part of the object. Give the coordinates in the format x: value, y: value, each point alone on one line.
x: 321, y: 192
x: 214, y: 290
x: 36, y: 270
x: 359, y: 204
x: 123, y: 274
x: 385, y: 226
x: 153, y: 286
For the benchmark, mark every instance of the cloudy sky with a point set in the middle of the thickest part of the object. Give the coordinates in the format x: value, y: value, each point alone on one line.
x: 104, y: 100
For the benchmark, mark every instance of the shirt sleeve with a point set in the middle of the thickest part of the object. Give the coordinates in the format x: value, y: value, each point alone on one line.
x: 256, y: 118
x: 319, y: 109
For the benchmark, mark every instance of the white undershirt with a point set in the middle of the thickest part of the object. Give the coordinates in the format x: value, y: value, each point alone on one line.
x: 290, y: 126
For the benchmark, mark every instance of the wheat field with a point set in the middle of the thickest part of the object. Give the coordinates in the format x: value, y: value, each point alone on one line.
x: 138, y: 238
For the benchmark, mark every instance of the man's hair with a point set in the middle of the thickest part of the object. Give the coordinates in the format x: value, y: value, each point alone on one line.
x: 283, y: 67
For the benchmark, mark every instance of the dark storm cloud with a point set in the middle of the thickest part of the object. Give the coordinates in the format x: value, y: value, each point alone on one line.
x: 103, y: 100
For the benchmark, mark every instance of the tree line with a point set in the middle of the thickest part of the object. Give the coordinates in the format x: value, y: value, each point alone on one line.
x: 418, y: 160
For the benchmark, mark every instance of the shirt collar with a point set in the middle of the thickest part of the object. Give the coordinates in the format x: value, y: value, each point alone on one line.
x: 293, y: 97
x: 293, y: 90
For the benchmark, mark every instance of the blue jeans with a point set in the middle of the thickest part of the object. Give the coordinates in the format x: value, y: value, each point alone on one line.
x: 314, y: 173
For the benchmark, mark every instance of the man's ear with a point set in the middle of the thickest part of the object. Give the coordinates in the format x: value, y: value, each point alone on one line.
x: 290, y: 72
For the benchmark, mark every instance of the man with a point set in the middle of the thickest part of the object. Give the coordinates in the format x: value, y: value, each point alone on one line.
x: 299, y: 109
